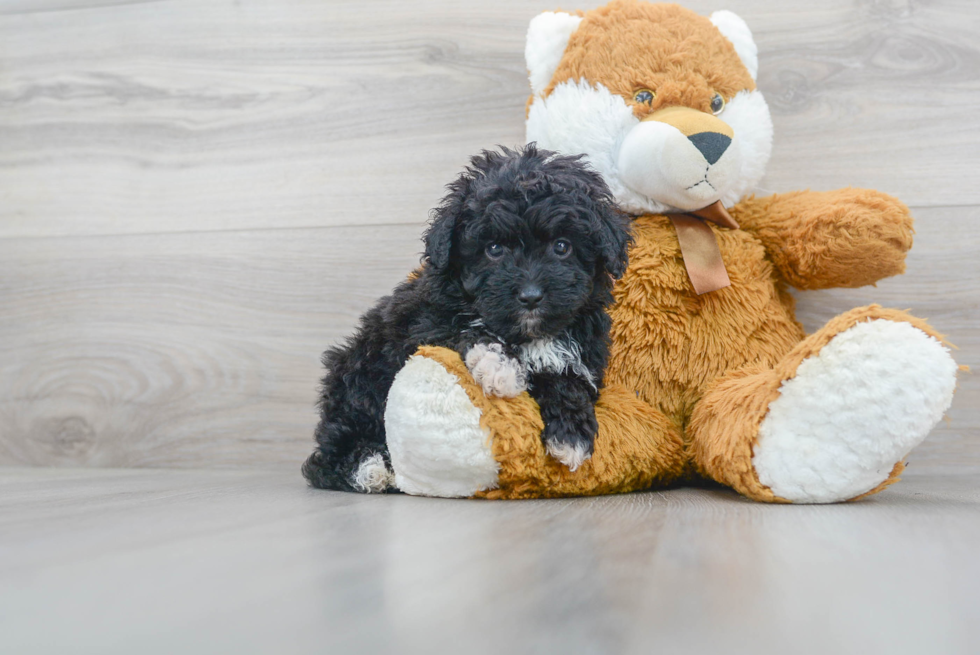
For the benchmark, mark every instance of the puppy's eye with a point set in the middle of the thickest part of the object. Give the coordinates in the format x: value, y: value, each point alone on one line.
x: 494, y: 251
x: 717, y: 104
x: 562, y: 248
x: 644, y: 96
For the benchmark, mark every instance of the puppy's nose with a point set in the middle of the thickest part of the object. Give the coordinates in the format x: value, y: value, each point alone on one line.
x: 711, y: 144
x: 530, y: 296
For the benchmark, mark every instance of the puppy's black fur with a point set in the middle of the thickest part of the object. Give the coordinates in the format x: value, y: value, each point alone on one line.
x: 522, y: 250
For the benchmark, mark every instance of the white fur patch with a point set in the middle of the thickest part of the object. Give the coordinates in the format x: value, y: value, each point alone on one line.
x: 571, y: 456
x: 737, y: 31
x: 435, y: 440
x: 853, y: 411
x: 578, y: 117
x: 748, y: 115
x: 555, y: 356
x: 498, y: 374
x: 656, y: 160
x: 373, y: 476
x: 547, y: 38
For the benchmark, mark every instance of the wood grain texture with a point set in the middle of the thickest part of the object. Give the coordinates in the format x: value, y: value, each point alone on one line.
x: 195, y: 349
x: 201, y: 349
x: 197, y: 198
x: 132, y: 117
x: 231, y: 562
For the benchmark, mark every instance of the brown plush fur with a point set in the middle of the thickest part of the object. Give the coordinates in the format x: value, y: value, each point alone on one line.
x: 672, y: 50
x: 705, y: 367
x: 845, y: 238
x: 637, y: 446
x: 723, y: 428
x: 690, y: 377
x: 669, y: 343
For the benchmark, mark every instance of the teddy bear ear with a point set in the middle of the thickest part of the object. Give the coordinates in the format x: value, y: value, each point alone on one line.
x: 735, y: 30
x: 547, y: 36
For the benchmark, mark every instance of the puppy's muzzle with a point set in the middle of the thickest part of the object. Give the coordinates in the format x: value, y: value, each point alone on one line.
x: 530, y: 296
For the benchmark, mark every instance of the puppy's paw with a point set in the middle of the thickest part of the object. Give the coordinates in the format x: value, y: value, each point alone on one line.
x: 571, y: 440
x: 572, y: 456
x: 373, y: 476
x: 498, y: 374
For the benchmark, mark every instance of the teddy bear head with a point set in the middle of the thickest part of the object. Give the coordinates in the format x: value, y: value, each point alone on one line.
x: 662, y: 101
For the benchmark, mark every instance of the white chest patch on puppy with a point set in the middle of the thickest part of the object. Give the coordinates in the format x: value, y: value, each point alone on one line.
x: 555, y: 356
x: 498, y: 374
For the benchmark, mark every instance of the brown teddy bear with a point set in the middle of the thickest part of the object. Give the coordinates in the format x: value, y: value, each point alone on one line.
x: 710, y: 373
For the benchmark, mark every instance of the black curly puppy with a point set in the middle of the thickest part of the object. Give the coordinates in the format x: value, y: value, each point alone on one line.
x: 518, y: 269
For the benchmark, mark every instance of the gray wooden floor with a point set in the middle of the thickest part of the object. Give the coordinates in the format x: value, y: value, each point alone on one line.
x: 244, y: 562
x: 198, y: 197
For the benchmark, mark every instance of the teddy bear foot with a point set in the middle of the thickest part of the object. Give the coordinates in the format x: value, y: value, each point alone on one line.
x: 434, y: 436
x: 844, y: 422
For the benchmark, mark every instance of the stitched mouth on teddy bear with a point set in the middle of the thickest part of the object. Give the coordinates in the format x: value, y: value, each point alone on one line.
x: 703, y: 180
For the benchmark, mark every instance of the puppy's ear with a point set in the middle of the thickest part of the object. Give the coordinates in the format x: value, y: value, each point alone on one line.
x: 439, y: 235
x: 439, y: 239
x: 614, y: 238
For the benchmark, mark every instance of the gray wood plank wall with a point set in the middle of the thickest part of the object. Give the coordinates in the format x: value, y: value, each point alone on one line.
x: 196, y: 198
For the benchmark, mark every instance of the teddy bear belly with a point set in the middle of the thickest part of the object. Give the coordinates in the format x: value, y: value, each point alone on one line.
x: 669, y: 344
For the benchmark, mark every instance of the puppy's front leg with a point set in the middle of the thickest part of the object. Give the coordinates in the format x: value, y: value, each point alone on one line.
x: 567, y: 404
x: 497, y: 371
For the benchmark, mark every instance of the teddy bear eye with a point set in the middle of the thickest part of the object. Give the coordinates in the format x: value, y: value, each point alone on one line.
x: 644, y: 96
x: 494, y: 251
x: 717, y: 104
x: 562, y: 248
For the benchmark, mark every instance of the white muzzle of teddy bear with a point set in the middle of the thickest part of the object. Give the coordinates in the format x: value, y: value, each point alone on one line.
x: 680, y: 157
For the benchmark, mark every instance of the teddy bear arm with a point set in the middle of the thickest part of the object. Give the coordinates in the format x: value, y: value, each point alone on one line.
x: 821, y: 240
x: 447, y: 438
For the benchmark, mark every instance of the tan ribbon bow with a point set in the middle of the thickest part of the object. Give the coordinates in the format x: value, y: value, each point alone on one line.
x: 699, y: 248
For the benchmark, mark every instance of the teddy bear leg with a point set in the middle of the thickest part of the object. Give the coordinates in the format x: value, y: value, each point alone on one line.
x: 447, y: 438
x: 834, y: 419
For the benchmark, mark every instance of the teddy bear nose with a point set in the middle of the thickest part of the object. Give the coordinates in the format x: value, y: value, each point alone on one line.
x: 711, y: 144
x: 530, y: 296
